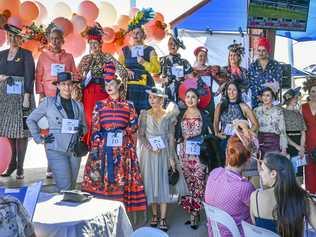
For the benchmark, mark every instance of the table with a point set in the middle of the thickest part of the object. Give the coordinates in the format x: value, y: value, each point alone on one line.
x: 97, y: 217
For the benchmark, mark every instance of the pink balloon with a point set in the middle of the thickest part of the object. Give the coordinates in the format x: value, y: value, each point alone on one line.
x: 79, y: 23
x: 29, y: 11
x: 75, y: 44
x: 89, y: 10
x: 16, y: 21
x: 6, y: 153
x: 65, y: 24
x: 109, y: 35
x: 2, y: 37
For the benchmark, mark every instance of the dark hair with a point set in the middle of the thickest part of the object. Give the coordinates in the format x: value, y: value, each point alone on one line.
x: 225, y: 102
x: 291, y: 200
x: 236, y: 152
x: 193, y: 90
x: 269, y: 90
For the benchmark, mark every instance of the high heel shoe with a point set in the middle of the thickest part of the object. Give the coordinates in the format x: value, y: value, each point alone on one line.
x: 195, y: 221
x: 163, y: 225
x: 8, y: 172
x: 154, y: 221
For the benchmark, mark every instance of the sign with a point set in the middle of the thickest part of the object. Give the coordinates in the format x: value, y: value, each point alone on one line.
x: 177, y: 71
x: 70, y: 126
x: 137, y: 51
x: 157, y: 143
x: 192, y: 148
x: 114, y: 139
x: 15, y: 89
x: 56, y: 68
x: 229, y: 130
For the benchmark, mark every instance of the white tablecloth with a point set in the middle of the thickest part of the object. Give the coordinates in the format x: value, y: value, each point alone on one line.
x: 97, y: 217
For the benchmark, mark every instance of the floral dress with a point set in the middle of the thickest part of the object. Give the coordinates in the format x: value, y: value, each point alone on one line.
x: 113, y: 172
x: 193, y: 170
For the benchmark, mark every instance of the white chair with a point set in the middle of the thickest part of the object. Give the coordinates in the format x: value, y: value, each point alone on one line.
x: 215, y: 216
x: 148, y: 231
x: 255, y: 231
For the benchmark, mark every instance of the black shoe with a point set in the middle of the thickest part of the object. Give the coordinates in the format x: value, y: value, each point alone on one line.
x: 163, y: 225
x: 195, y: 220
x: 154, y: 221
x: 8, y: 172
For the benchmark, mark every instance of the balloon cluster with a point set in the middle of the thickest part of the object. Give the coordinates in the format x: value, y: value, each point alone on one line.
x: 114, y: 25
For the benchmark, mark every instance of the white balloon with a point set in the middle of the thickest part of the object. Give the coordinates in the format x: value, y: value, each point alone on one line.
x: 61, y: 9
x: 107, y: 14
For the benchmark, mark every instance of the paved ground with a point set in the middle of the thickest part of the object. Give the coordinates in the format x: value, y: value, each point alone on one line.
x: 35, y: 170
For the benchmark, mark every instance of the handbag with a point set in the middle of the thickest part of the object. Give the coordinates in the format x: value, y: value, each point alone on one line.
x: 173, y: 176
x: 75, y: 196
x: 80, y: 149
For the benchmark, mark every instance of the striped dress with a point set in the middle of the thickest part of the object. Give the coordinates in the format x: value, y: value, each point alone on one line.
x: 113, y: 172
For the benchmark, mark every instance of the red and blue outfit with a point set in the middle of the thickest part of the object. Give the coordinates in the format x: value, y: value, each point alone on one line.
x: 113, y: 172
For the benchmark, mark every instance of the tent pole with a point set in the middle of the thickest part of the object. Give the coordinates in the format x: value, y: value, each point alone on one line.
x: 132, y: 3
x: 290, y: 51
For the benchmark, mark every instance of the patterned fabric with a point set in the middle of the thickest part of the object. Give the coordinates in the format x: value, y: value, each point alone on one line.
x: 166, y: 64
x: 113, y: 172
x: 14, y: 220
x: 11, y: 125
x: 230, y: 114
x: 310, y: 168
x: 194, y: 171
x: 240, y: 76
x: 272, y: 121
x: 258, y: 77
x: 294, y: 121
x: 95, y: 92
x: 230, y: 192
x: 142, y: 78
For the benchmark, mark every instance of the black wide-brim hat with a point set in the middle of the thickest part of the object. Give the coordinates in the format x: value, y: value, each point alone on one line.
x: 64, y: 76
x: 291, y: 93
x: 12, y: 29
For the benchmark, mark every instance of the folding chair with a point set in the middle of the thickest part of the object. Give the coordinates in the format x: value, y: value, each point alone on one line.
x: 148, y: 231
x: 255, y: 231
x: 215, y: 216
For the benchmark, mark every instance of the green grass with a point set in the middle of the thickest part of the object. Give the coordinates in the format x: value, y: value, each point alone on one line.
x: 271, y: 12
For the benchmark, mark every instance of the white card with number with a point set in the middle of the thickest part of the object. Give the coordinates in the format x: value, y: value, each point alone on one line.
x: 177, y: 71
x: 56, y: 68
x: 206, y: 80
x: 229, y: 130
x: 157, y: 143
x: 114, y: 139
x: 15, y: 89
x: 192, y: 148
x: 137, y: 51
x: 70, y: 126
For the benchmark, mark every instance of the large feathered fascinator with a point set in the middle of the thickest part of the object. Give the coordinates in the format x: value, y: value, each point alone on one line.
x: 176, y: 39
x: 141, y: 18
x: 93, y: 32
x: 237, y: 48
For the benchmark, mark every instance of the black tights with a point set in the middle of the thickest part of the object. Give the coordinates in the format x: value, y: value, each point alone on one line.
x: 18, y: 146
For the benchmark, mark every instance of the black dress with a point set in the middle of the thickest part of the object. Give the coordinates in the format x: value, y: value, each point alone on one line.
x: 22, y: 68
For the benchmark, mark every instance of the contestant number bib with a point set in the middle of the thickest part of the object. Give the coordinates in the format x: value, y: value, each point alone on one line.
x: 56, y: 68
x: 229, y: 130
x: 157, y: 143
x: 177, y: 71
x: 114, y: 139
x: 70, y: 126
x: 15, y: 89
x: 192, y: 148
x: 206, y: 80
x: 137, y: 51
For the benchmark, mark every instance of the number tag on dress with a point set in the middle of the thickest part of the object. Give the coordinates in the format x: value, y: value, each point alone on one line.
x: 177, y: 71
x: 229, y: 130
x: 56, y: 68
x: 137, y: 51
x: 206, y: 80
x: 157, y: 143
x: 114, y: 139
x: 192, y: 148
x: 70, y: 126
x: 15, y: 89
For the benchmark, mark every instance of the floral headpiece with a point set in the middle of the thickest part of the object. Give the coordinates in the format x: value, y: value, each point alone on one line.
x: 176, y: 39
x: 141, y: 18
x: 93, y: 32
x: 237, y: 48
x: 38, y: 33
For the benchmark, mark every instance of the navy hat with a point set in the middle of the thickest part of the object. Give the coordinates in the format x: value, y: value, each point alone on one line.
x: 291, y: 93
x: 12, y: 29
x: 63, y: 76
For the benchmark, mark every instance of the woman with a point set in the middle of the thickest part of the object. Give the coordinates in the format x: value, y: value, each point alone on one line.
x: 236, y: 72
x: 14, y: 219
x: 112, y: 169
x: 16, y: 96
x: 309, y: 111
x: 91, y: 72
x: 272, y: 133
x: 231, y: 108
x: 66, y: 126
x: 192, y: 126
x: 51, y: 61
x: 141, y: 60
x: 263, y: 70
x: 227, y: 189
x: 294, y: 125
x: 283, y: 206
x: 174, y: 69
x: 156, y: 139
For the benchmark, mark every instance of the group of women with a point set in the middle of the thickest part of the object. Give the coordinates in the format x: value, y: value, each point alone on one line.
x: 118, y: 114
